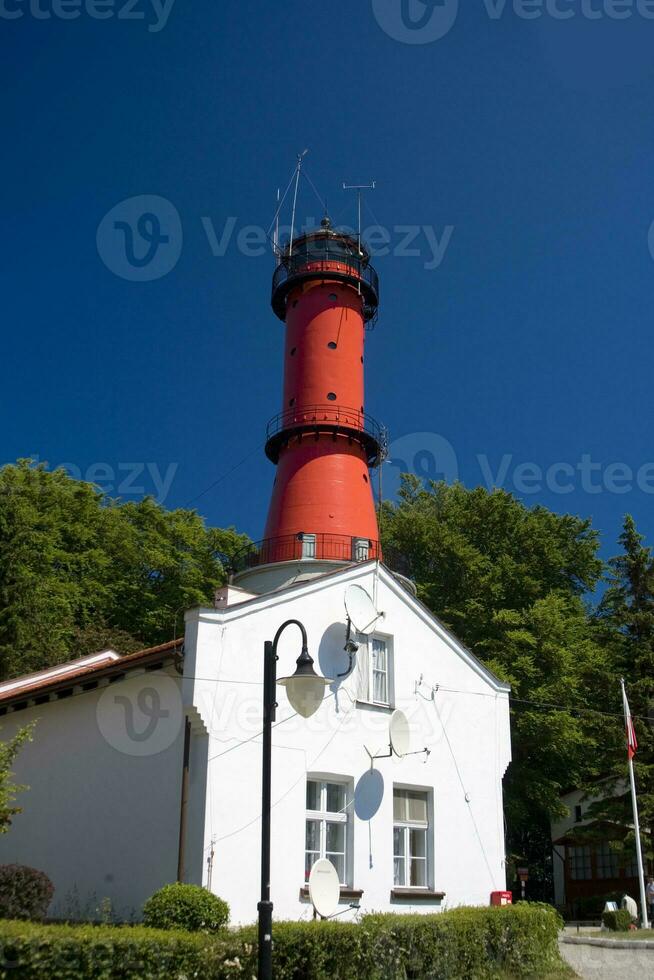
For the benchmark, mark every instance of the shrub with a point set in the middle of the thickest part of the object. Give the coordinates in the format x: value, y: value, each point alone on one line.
x: 593, y: 906
x: 187, y: 907
x: 25, y: 893
x: 617, y: 921
x: 484, y: 943
x: 88, y: 952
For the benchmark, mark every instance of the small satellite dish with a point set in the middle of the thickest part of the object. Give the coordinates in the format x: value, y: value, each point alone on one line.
x: 324, y: 888
x: 361, y: 610
x: 399, y: 733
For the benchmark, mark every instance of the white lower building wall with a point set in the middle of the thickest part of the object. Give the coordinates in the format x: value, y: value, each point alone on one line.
x: 100, y: 823
x: 467, y: 860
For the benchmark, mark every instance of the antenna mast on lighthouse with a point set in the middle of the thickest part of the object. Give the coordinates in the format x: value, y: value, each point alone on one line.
x: 322, y: 512
x: 359, y: 188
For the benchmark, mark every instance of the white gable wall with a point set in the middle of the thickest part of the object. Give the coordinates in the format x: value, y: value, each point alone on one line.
x: 467, y: 856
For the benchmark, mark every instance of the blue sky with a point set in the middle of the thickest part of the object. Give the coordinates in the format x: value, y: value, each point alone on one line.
x: 521, y: 147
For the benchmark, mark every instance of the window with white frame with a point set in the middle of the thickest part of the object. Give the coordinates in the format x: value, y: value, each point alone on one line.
x: 308, y: 545
x: 375, y: 669
x: 410, y: 838
x: 360, y: 549
x: 327, y: 826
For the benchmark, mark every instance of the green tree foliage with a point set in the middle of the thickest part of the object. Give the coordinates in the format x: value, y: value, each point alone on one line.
x: 80, y: 571
x: 625, y: 620
x: 8, y: 789
x: 510, y: 582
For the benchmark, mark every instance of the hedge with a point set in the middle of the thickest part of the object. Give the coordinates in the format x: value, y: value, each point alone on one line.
x: 187, y: 907
x: 475, y: 944
x: 618, y: 920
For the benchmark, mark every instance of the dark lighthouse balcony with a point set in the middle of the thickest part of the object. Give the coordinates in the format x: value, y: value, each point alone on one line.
x: 305, y: 546
x: 329, y: 419
x: 330, y: 256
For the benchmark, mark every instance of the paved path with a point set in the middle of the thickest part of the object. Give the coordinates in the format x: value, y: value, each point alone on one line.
x: 593, y: 962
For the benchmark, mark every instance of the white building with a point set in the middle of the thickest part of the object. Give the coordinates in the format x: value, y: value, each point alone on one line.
x: 102, y: 816
x: 148, y: 768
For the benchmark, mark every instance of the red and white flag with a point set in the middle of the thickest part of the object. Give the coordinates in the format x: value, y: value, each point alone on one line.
x: 632, y: 741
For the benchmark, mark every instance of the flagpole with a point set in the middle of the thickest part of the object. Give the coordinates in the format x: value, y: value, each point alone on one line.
x: 634, y: 802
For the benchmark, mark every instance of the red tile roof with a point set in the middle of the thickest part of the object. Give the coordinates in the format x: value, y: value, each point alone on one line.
x: 44, y: 682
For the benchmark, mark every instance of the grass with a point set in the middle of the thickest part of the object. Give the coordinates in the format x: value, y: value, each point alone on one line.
x: 632, y: 934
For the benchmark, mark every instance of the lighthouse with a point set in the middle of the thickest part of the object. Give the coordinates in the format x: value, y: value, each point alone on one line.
x: 399, y: 828
x: 323, y: 443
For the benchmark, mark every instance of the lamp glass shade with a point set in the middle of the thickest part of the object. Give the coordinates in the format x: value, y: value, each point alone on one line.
x: 305, y: 692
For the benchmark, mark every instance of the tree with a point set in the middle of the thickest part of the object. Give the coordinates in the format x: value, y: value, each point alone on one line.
x: 625, y: 620
x: 80, y: 571
x: 8, y: 789
x: 510, y: 581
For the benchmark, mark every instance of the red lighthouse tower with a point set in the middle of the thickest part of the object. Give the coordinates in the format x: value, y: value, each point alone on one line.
x: 322, y: 509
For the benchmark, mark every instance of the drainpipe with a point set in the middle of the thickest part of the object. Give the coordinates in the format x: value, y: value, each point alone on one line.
x: 184, y: 804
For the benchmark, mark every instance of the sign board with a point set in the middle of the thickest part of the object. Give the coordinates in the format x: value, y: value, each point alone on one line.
x: 523, y: 874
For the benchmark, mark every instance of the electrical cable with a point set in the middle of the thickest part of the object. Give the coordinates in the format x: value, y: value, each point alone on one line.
x: 313, y: 186
x: 74, y: 682
x: 279, y: 206
x: 302, y: 776
x: 465, y: 793
x: 222, y: 478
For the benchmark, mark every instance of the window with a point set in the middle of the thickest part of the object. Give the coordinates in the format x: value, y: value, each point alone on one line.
x: 379, y: 671
x: 607, y: 861
x: 578, y: 813
x: 327, y: 826
x: 360, y: 548
x: 580, y: 866
x: 410, y: 845
x: 375, y: 668
x: 631, y: 868
x: 308, y: 545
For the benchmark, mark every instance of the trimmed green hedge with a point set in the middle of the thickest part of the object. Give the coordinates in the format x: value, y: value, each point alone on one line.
x: 618, y: 921
x: 475, y: 944
x: 186, y: 907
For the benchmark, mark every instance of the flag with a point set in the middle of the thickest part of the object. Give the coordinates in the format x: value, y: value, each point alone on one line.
x: 632, y: 741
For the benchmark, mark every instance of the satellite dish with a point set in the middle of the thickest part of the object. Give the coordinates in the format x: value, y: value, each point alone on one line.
x: 324, y: 888
x: 399, y: 733
x: 361, y: 609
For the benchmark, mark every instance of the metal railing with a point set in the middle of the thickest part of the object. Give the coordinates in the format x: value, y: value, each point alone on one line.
x: 328, y: 257
x: 307, y: 546
x: 326, y: 263
x: 330, y: 419
x: 328, y: 416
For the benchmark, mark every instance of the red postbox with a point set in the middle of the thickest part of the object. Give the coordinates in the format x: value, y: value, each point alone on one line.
x: 501, y: 898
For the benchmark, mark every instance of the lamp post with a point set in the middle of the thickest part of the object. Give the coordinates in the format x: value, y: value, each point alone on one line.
x: 305, y: 690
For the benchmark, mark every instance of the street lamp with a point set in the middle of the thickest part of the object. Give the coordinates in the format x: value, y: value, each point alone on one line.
x: 305, y: 690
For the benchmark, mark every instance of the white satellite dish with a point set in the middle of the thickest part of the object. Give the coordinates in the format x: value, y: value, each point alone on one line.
x: 361, y: 610
x: 399, y: 734
x: 324, y: 888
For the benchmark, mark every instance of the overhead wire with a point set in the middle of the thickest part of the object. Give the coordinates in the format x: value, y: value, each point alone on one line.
x: 550, y: 706
x: 465, y: 793
x: 222, y: 478
x: 302, y: 776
